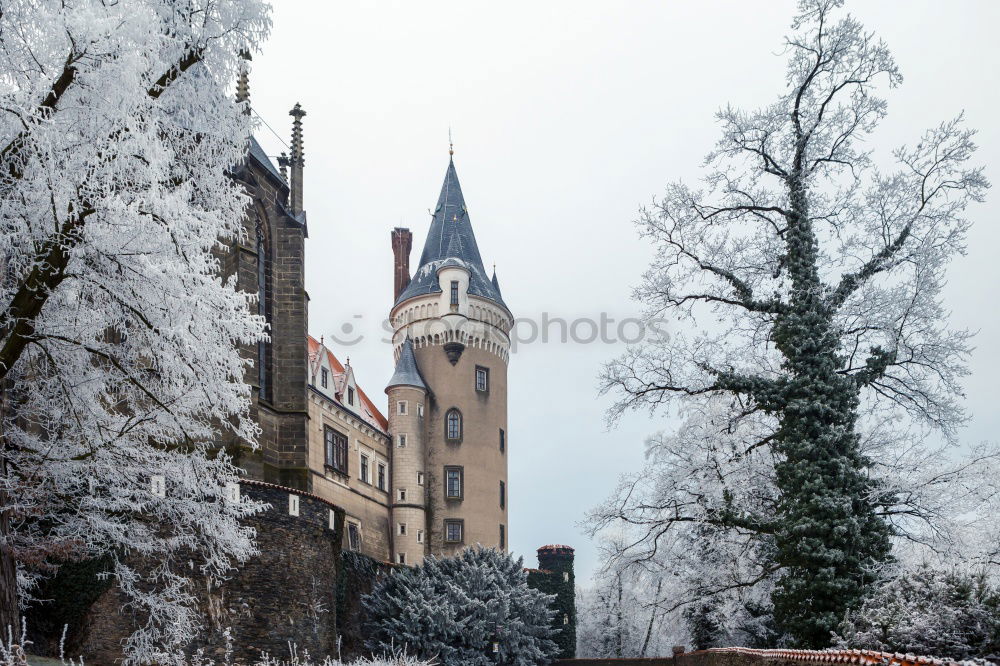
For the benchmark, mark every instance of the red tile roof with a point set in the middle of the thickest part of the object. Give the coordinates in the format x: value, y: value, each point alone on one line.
x: 368, y: 408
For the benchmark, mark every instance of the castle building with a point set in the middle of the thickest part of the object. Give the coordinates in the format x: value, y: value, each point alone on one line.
x: 432, y: 476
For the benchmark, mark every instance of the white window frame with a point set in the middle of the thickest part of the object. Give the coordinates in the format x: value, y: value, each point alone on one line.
x: 401, y: 408
x: 420, y: 410
x: 293, y: 504
x: 380, y: 466
x: 420, y: 536
x: 361, y: 538
x: 158, y: 485
x: 401, y: 529
x: 333, y: 519
x: 400, y: 494
x: 401, y: 441
x: 364, y: 468
x: 420, y: 478
x: 324, y: 377
x: 400, y: 558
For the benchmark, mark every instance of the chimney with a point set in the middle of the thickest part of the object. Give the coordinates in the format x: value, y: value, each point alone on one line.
x: 402, y: 240
x: 296, y: 159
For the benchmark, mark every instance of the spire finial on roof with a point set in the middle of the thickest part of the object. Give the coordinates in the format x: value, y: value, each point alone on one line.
x: 451, y: 145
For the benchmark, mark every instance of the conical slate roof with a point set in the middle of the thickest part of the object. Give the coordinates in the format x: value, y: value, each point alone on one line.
x: 450, y: 238
x: 407, y: 373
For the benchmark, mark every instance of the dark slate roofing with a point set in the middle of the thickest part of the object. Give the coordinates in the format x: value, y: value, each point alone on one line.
x: 450, y: 237
x: 258, y: 154
x: 407, y: 373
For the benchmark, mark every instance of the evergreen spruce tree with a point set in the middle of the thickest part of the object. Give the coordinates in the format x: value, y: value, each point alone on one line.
x: 803, y: 281
x: 454, y: 609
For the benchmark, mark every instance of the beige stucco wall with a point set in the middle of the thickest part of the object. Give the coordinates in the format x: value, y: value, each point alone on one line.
x: 363, y: 503
x: 484, y: 466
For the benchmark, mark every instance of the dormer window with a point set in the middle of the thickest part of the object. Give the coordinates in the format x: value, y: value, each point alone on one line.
x: 324, y: 378
x: 454, y: 293
x: 350, y: 396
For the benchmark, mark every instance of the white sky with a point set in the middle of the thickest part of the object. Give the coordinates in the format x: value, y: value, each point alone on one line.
x: 567, y: 116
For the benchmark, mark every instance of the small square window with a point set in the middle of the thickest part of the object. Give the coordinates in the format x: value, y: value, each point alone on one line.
x: 453, y: 531
x: 401, y: 408
x: 401, y: 494
x: 324, y: 377
x: 420, y: 536
x: 482, y: 379
x: 400, y: 558
x: 401, y: 441
x: 401, y: 529
x: 420, y: 478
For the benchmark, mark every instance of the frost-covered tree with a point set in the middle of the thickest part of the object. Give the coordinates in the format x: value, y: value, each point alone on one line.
x: 453, y: 609
x: 619, y: 617
x: 118, y: 335
x: 806, y: 285
x: 941, y: 612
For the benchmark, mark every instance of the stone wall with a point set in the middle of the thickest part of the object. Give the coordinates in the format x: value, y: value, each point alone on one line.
x: 287, y: 594
x: 554, y: 575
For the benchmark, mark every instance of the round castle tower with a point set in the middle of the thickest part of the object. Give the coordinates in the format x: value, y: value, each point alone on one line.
x: 448, y: 395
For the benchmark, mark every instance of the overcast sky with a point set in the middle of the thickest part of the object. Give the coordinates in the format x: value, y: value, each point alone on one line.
x: 566, y: 117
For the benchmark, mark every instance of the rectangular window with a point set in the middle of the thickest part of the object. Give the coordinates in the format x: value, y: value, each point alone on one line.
x: 453, y: 482
x: 336, y: 449
x: 293, y: 505
x: 401, y: 441
x: 482, y: 379
x: 401, y: 529
x: 453, y: 531
x: 364, y: 469
x: 454, y: 292
x: 401, y: 558
x: 503, y: 495
x: 503, y: 441
x: 381, y: 476
x: 420, y: 536
x: 401, y: 408
x: 420, y: 411
x: 420, y: 478
x: 503, y: 537
x: 324, y: 377
x: 350, y: 395
x: 354, y: 536
x: 401, y: 494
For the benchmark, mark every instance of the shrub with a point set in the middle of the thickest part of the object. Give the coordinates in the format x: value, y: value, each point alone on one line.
x: 455, y: 609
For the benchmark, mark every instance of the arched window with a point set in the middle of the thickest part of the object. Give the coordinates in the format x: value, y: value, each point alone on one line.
x: 264, y: 347
x: 453, y: 424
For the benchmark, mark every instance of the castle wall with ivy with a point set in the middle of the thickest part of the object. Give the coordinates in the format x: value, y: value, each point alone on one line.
x: 554, y: 575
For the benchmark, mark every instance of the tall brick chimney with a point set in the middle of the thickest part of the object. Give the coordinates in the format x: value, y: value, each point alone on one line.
x: 402, y: 241
x: 296, y: 159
